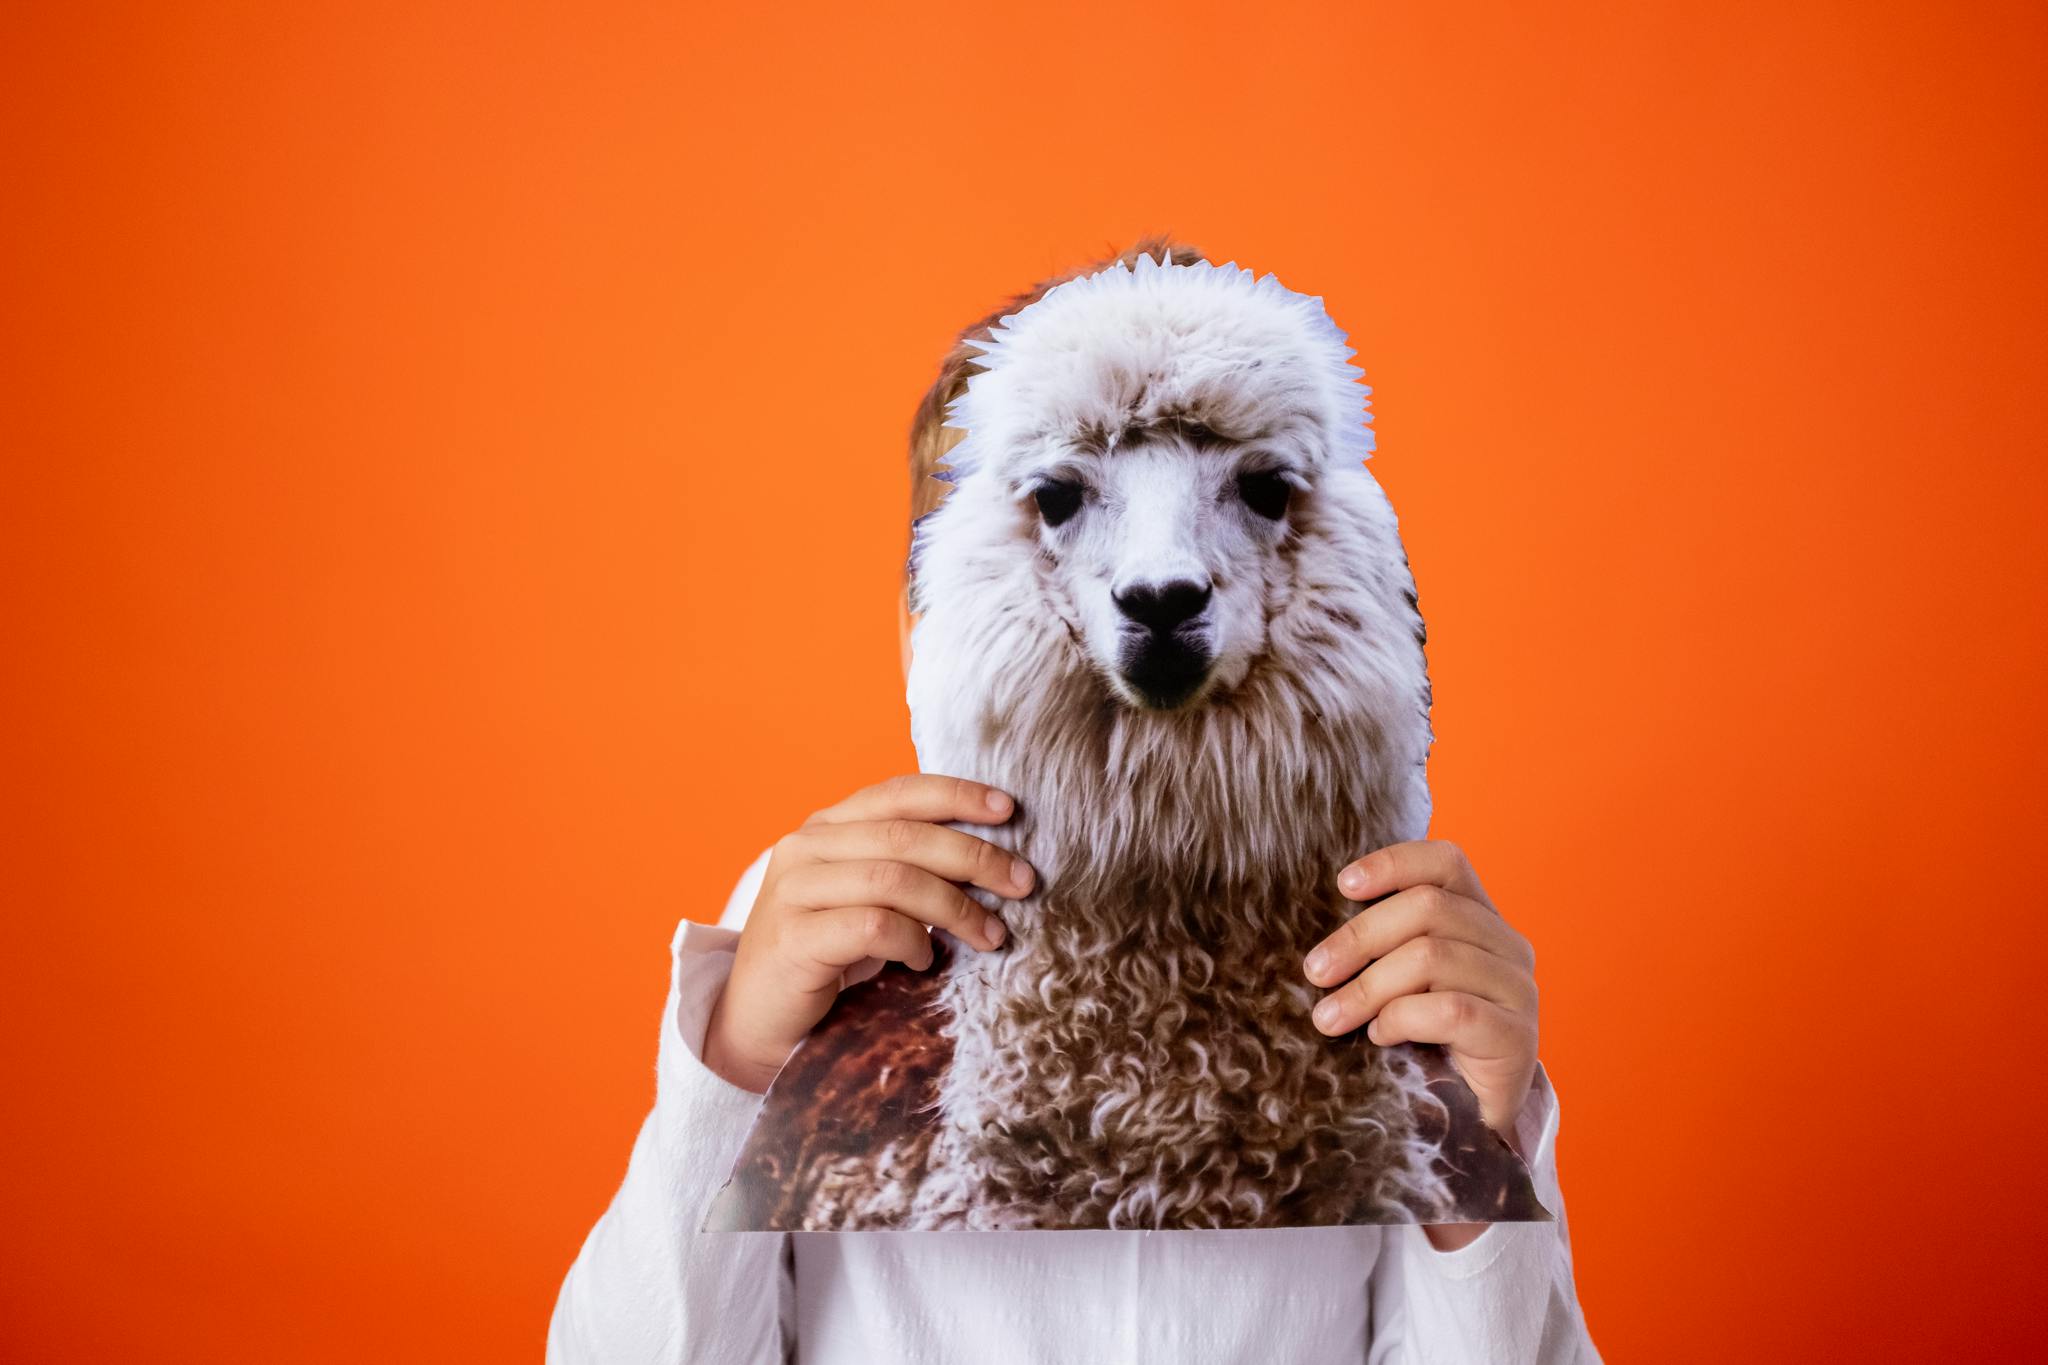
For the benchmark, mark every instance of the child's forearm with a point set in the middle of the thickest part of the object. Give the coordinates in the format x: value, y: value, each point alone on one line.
x: 648, y: 1286
x: 1487, y: 1291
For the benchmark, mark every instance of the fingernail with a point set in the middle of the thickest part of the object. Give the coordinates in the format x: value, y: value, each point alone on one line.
x: 1316, y: 962
x: 999, y: 803
x: 1372, y: 1028
x: 1326, y: 1012
x: 995, y: 931
x: 1020, y: 874
x: 1352, y: 880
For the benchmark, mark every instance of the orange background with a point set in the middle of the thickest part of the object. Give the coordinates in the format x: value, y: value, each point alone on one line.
x: 453, y: 506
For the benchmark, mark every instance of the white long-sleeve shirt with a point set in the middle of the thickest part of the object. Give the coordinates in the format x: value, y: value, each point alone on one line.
x: 649, y: 1287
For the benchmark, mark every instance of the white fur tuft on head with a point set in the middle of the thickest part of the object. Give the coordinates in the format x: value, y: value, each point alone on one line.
x: 1090, y: 317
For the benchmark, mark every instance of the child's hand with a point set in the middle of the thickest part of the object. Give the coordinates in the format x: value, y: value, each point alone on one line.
x: 1434, y: 962
x: 859, y: 880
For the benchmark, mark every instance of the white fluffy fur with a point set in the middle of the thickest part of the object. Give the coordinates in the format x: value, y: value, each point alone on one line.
x: 1140, y: 1055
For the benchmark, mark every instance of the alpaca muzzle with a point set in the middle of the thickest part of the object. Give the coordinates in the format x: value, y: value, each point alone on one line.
x: 1165, y: 668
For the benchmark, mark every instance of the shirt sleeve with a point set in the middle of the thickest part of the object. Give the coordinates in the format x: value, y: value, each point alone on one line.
x: 648, y: 1287
x: 1507, y: 1296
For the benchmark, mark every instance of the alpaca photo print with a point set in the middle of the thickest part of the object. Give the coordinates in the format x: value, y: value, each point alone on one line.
x: 1164, y: 604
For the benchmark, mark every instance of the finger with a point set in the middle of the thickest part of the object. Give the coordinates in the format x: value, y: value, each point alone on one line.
x: 1473, y: 1028
x: 922, y: 796
x: 846, y: 935
x: 1421, y: 862
x: 1420, y: 911
x: 898, y: 886
x: 1419, y: 965
x: 948, y: 853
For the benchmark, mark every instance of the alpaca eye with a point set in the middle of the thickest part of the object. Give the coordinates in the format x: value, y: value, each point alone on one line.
x: 1265, y: 493
x: 1058, y: 499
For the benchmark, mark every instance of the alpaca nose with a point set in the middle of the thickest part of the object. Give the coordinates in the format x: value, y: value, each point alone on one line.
x: 1162, y: 606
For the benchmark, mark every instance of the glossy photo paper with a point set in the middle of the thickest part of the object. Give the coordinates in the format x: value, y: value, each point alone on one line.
x: 1165, y: 606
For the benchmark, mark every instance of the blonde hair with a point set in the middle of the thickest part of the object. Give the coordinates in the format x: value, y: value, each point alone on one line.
x: 929, y: 440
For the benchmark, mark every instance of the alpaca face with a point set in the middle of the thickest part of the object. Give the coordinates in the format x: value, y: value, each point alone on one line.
x: 1164, y: 548
x: 1164, y: 563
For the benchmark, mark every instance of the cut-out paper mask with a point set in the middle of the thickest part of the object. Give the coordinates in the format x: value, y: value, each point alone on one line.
x: 1165, y: 606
